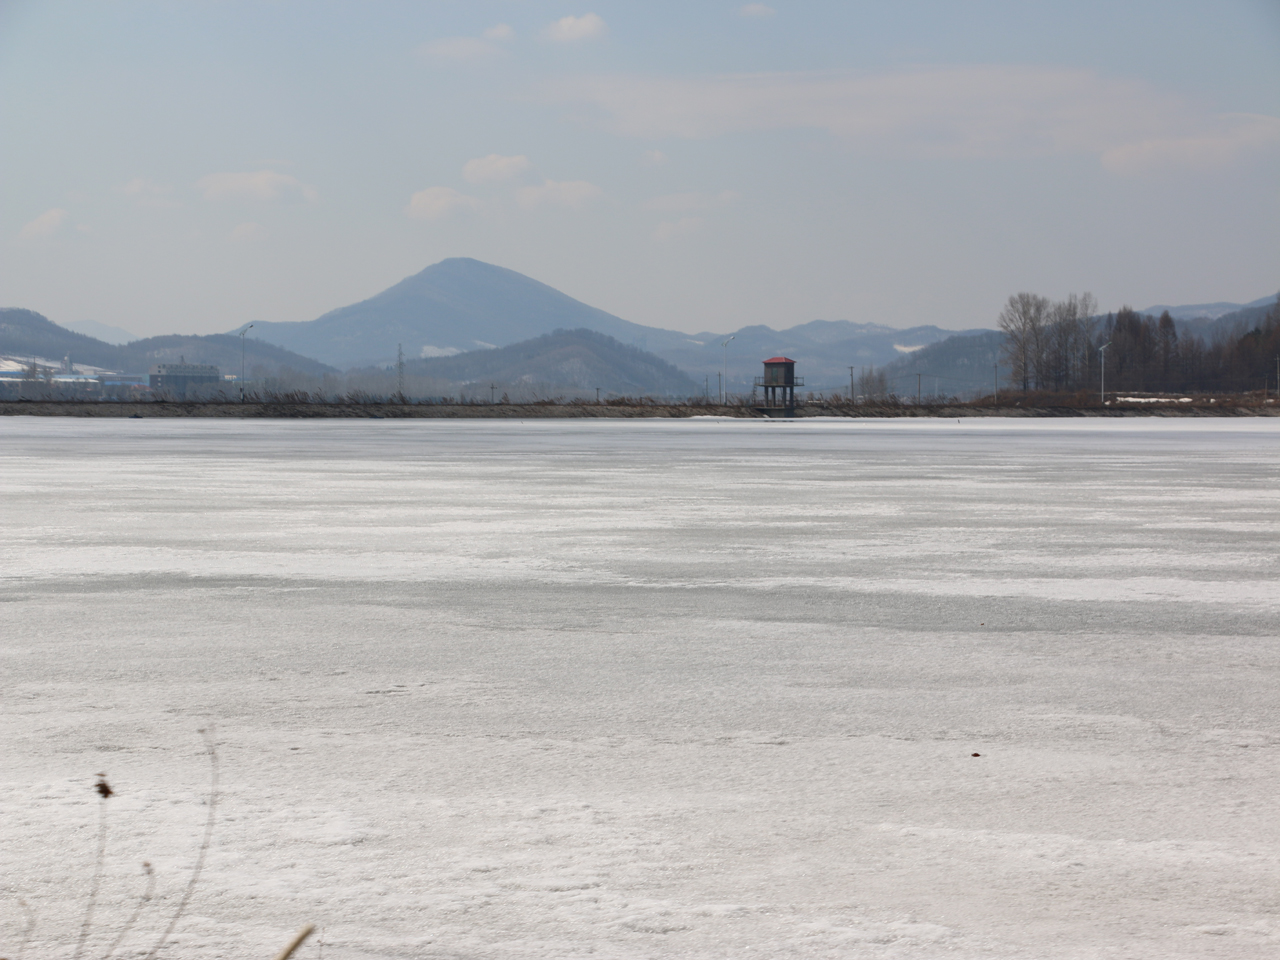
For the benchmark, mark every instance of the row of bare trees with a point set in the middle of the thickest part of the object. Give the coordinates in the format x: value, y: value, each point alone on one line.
x: 1062, y: 346
x: 1048, y: 344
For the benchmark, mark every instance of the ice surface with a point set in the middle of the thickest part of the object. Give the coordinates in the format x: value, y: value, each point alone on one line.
x: 641, y: 689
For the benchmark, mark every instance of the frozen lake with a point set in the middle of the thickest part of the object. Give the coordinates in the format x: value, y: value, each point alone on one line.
x: 646, y: 689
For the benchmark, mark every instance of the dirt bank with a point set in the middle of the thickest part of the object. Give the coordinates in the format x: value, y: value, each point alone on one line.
x: 74, y: 408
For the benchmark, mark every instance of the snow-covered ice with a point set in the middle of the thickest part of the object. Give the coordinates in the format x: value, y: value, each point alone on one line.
x: 643, y: 689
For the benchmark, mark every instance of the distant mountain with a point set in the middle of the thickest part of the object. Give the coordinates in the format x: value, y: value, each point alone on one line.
x: 963, y: 365
x: 223, y: 351
x: 25, y: 333
x: 102, y: 331
x: 1239, y: 321
x: 1207, y: 311
x: 460, y: 304
x: 824, y: 350
x: 562, y: 363
x: 960, y: 366
x: 454, y: 306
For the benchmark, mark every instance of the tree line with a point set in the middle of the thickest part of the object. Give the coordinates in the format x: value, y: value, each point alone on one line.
x: 1062, y: 346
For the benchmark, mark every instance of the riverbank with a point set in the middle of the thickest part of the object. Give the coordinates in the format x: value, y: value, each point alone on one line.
x: 523, y: 411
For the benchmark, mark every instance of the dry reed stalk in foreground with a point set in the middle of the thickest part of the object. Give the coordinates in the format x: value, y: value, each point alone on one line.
x: 103, y: 789
x: 212, y: 749
x: 305, y: 932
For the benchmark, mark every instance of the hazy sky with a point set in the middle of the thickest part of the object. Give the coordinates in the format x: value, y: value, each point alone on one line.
x: 187, y: 166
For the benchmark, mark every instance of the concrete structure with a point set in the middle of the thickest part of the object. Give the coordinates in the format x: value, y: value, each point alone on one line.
x: 179, y: 379
x: 779, y: 383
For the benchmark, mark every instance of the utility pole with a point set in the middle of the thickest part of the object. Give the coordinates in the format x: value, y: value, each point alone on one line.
x: 719, y: 387
x: 597, y: 395
x: 851, y: 385
x: 1103, y: 364
x: 917, y: 389
x: 242, y: 333
x: 995, y: 382
x: 724, y: 390
x: 400, y: 371
x: 493, y: 389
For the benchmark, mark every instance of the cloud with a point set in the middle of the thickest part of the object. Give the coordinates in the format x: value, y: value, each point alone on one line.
x: 572, y: 29
x: 460, y: 49
x: 45, y: 225
x: 686, y: 202
x: 1236, y: 134
x: 653, y: 158
x: 434, y: 203
x: 952, y: 112
x: 259, y: 185
x: 149, y: 193
x: 670, y: 229
x: 247, y: 231
x: 468, y: 49
x: 141, y: 186
x: 756, y: 10
x: 567, y: 193
x: 494, y: 167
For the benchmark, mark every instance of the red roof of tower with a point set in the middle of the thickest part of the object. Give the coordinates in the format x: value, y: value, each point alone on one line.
x: 779, y: 360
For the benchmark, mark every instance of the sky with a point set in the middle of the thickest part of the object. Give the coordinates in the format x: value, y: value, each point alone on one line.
x: 187, y: 167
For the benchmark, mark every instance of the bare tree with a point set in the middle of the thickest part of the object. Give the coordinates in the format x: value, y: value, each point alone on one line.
x: 872, y: 383
x: 1168, y: 333
x: 1023, y: 322
x: 1065, y: 359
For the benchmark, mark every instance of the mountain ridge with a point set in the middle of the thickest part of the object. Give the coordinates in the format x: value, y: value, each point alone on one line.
x: 25, y: 333
x: 563, y: 363
x: 437, y: 312
x: 1207, y: 311
x: 461, y: 304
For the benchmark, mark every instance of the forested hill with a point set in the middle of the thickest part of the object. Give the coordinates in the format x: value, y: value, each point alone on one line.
x: 456, y: 305
x: 557, y: 364
x: 1063, y: 346
x: 960, y: 366
x: 1228, y: 325
x: 1056, y: 347
x: 25, y: 333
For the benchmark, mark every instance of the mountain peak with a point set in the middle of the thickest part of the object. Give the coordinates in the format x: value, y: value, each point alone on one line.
x: 456, y: 305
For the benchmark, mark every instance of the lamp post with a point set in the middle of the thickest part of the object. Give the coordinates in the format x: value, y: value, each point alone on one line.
x: 724, y: 389
x: 1102, y: 353
x: 242, y: 333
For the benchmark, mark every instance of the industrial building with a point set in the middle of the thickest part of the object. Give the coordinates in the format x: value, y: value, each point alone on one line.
x: 181, y: 379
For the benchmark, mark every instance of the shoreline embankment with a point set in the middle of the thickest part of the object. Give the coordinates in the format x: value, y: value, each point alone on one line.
x: 285, y: 410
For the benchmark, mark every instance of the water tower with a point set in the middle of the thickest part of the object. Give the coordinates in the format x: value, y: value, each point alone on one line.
x: 779, y: 383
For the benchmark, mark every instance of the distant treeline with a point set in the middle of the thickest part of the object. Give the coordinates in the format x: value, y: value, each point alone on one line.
x: 1063, y: 346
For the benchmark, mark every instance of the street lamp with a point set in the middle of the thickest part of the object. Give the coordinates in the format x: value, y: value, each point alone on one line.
x: 724, y: 388
x: 1103, y: 355
x: 242, y: 333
